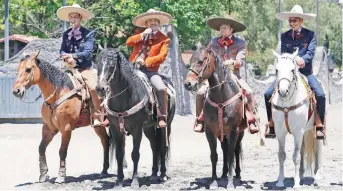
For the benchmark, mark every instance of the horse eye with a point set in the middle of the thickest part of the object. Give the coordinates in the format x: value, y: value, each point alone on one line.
x: 28, y: 70
x: 200, y: 62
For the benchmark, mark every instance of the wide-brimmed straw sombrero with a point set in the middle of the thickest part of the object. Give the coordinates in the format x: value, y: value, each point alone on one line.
x: 297, y: 11
x: 163, y: 17
x: 63, y: 12
x: 215, y: 23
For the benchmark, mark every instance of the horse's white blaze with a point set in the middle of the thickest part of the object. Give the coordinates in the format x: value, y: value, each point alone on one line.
x: 102, y: 75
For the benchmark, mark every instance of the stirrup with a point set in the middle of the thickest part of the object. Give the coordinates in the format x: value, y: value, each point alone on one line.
x: 271, y: 133
x: 256, y: 130
x: 197, y: 123
x: 319, y: 133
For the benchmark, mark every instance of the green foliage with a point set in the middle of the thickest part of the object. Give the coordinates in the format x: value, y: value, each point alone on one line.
x: 113, y: 19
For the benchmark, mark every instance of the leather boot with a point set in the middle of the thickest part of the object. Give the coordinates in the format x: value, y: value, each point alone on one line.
x: 96, y: 114
x: 270, y: 127
x: 162, y: 114
x: 319, y: 127
x: 199, y: 105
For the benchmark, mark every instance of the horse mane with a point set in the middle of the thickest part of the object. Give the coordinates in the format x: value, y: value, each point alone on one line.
x: 127, y: 72
x: 57, y: 77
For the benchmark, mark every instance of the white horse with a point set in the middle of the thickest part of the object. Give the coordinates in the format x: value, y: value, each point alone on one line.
x: 290, y: 113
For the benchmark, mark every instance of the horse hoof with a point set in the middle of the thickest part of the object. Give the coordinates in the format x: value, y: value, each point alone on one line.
x: 135, y: 183
x: 154, y: 178
x: 224, y: 177
x: 118, y: 185
x: 214, y: 185
x: 280, y: 184
x: 60, y: 179
x: 238, y: 177
x: 103, y: 174
x: 43, y: 178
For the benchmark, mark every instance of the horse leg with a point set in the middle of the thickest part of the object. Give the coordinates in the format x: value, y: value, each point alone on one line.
x: 225, y: 149
x: 302, y: 167
x: 118, y: 140
x: 47, y: 136
x: 282, y: 158
x: 63, y: 155
x: 150, y: 134
x: 298, y: 139
x: 318, y: 159
x: 232, y: 139
x: 101, y: 132
x: 212, y: 141
x: 238, y: 152
x: 136, y: 138
x: 165, y: 149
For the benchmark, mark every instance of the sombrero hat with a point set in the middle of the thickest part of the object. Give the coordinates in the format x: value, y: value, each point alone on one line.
x: 163, y: 17
x: 297, y: 11
x: 215, y: 23
x: 63, y: 12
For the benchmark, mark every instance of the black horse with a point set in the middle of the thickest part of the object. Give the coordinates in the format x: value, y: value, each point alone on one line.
x: 130, y: 112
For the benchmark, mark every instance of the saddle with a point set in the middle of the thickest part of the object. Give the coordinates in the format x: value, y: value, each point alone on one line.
x: 250, y: 104
x: 82, y: 91
x: 152, y: 92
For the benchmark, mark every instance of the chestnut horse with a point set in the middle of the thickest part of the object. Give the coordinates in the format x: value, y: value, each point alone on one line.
x: 60, y: 110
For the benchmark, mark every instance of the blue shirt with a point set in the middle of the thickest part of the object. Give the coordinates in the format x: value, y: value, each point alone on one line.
x: 80, y: 49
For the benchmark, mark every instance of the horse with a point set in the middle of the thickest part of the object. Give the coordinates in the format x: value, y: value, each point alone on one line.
x: 60, y: 110
x: 292, y: 112
x: 127, y: 100
x: 223, y: 110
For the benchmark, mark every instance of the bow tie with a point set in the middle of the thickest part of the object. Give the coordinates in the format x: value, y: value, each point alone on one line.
x: 297, y: 35
x: 74, y: 33
x: 225, y: 41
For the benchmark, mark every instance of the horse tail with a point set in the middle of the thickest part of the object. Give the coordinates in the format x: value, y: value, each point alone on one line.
x: 308, y: 147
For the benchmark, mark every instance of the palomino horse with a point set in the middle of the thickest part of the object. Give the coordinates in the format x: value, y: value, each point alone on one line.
x: 129, y: 111
x: 290, y: 111
x: 223, y: 110
x: 60, y: 110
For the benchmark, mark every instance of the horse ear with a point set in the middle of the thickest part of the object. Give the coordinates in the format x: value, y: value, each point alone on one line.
x: 35, y: 55
x: 295, y: 53
x: 276, y: 54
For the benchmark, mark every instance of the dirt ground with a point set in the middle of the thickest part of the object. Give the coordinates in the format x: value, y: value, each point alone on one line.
x: 189, y: 169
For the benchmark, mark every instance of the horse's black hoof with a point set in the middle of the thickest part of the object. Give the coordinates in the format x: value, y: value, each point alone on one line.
x: 224, y: 177
x: 238, y: 177
x: 154, y: 178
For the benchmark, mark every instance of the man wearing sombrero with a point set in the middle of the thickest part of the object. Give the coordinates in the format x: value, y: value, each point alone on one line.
x: 76, y: 50
x: 150, y: 49
x: 305, y: 40
x: 232, y: 51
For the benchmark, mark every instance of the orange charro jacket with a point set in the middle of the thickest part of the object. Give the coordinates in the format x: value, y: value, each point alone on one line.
x: 155, y: 49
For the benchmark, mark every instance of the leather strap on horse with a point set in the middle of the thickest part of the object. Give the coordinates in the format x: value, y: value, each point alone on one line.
x: 288, y: 109
x: 126, y: 113
x: 220, y: 107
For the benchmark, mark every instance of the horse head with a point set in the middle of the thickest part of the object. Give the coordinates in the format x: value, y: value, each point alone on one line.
x: 106, y: 62
x: 286, y: 72
x: 27, y: 74
x: 201, y: 67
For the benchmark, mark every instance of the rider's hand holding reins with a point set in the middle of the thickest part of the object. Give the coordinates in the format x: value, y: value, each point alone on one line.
x: 140, y: 60
x: 300, y: 62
